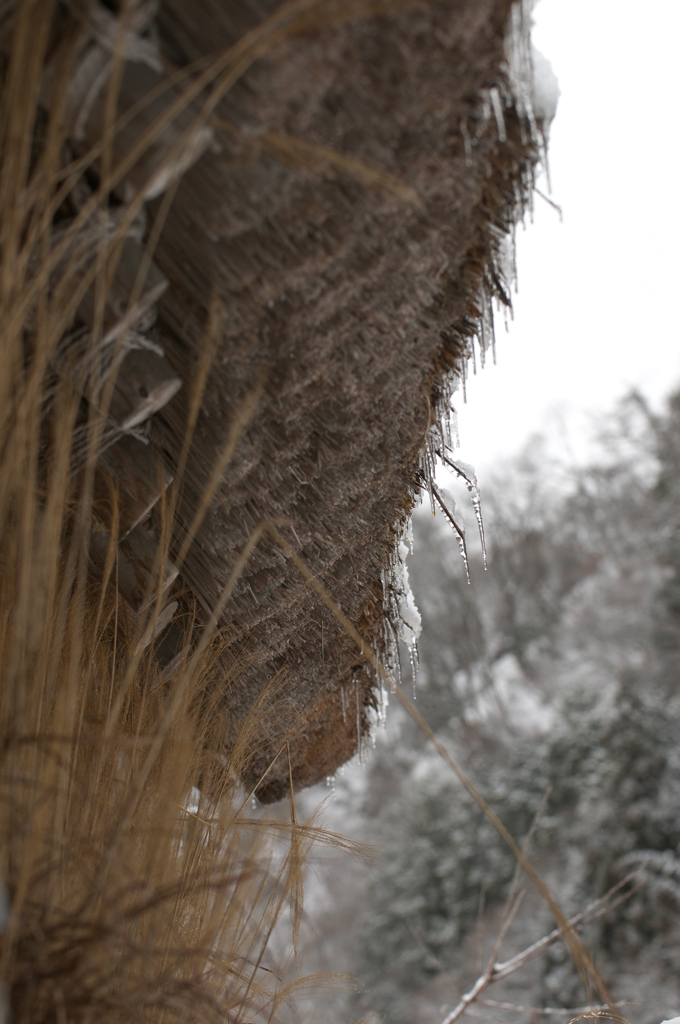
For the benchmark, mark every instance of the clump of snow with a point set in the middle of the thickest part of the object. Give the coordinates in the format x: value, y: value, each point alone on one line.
x: 466, y: 471
x: 456, y: 513
x: 410, y: 623
x: 545, y: 88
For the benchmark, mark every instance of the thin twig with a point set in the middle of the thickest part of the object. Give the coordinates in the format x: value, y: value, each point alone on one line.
x: 496, y: 971
x: 547, y: 1011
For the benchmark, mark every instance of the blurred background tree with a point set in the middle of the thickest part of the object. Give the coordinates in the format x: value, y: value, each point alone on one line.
x: 553, y: 677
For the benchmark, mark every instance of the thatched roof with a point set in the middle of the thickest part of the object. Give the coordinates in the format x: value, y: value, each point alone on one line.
x: 337, y: 243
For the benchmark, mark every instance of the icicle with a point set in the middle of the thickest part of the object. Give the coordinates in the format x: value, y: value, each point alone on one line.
x: 467, y: 473
x: 477, y: 505
x: 425, y: 467
x: 513, y: 240
x: 454, y: 424
x: 392, y: 661
x: 457, y: 521
x: 498, y: 112
x: 488, y: 316
x: 409, y: 533
x: 486, y: 110
x: 546, y: 167
x: 483, y: 344
x: 359, y: 750
x: 253, y: 803
x: 446, y: 422
x: 463, y: 553
x: 383, y: 705
x: 344, y: 706
x: 413, y: 655
x: 395, y: 652
x: 432, y: 446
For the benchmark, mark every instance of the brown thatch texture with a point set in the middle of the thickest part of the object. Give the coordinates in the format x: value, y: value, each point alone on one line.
x: 355, y: 304
x: 324, y: 209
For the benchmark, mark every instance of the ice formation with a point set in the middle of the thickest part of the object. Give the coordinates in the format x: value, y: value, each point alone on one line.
x: 409, y: 616
x: 532, y: 88
x: 545, y: 88
x: 456, y: 518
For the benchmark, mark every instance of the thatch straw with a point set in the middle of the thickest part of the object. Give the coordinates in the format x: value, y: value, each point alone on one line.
x: 132, y: 894
x: 338, y: 244
x: 359, y: 305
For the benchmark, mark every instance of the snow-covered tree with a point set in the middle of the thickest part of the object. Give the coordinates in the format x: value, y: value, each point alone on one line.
x: 554, y: 677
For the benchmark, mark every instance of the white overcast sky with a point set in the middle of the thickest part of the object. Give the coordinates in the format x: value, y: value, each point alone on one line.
x: 597, y: 308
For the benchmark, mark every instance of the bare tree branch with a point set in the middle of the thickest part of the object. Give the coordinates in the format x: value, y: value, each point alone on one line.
x: 547, y: 1011
x: 496, y: 971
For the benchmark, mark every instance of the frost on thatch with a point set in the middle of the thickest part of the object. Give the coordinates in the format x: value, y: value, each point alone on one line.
x: 333, y: 224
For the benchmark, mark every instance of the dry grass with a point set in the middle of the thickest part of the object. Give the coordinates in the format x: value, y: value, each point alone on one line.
x: 133, y: 895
